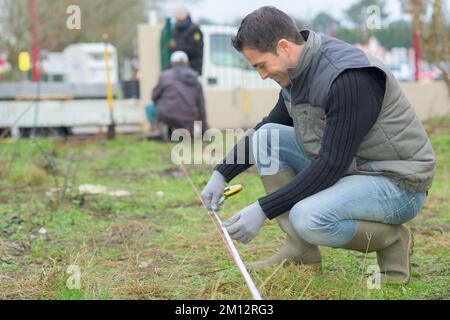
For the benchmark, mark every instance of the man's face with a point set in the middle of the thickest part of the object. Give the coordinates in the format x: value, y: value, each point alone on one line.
x: 179, y: 20
x: 270, y: 65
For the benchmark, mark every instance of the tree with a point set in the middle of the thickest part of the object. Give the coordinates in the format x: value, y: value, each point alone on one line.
x: 14, y: 26
x: 118, y: 18
x: 301, y: 23
x: 430, y: 24
x: 349, y: 35
x: 325, y: 23
x: 397, y: 34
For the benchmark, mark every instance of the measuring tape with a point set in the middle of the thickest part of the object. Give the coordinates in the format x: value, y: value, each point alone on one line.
x: 232, y: 191
x: 229, y: 193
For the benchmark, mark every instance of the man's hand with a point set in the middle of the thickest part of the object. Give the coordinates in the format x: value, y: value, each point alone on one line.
x: 213, y: 191
x: 244, y: 225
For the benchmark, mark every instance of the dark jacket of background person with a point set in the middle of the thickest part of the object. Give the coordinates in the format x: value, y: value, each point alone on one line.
x: 189, y: 38
x: 179, y: 98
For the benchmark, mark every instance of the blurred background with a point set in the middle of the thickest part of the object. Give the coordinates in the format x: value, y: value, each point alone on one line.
x: 65, y: 56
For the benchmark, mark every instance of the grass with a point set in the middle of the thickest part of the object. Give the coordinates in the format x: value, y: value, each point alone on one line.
x: 158, y: 243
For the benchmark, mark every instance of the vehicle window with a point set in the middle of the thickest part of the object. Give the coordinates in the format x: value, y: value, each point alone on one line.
x: 224, y: 55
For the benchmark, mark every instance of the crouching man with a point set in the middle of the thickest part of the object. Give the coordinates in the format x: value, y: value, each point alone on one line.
x: 350, y: 162
x: 179, y: 96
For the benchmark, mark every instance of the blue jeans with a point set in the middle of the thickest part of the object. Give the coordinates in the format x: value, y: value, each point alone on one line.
x: 328, y: 218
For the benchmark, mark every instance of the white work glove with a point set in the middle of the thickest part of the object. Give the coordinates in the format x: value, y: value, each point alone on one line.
x: 244, y: 225
x: 213, y: 191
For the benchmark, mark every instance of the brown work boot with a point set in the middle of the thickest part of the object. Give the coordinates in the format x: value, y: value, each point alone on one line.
x: 393, y: 245
x: 295, y: 249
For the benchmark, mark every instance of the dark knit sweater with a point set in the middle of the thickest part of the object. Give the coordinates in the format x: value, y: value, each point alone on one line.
x: 353, y: 106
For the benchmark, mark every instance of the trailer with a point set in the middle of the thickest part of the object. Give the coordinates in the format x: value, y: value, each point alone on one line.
x: 70, y: 116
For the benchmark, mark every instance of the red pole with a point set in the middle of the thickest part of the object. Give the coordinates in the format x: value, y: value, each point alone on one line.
x: 34, y: 44
x: 416, y: 46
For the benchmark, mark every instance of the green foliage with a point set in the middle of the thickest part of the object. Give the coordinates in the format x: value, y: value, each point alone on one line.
x: 397, y: 34
x: 159, y: 243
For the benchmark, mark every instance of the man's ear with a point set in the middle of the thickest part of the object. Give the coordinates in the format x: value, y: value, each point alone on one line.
x: 283, y: 45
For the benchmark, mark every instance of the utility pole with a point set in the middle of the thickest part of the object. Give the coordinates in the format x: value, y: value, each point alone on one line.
x: 34, y: 44
x: 35, y: 60
x: 109, y: 92
x: 416, y: 42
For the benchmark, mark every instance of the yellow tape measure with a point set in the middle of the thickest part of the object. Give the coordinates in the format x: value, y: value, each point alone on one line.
x: 232, y: 191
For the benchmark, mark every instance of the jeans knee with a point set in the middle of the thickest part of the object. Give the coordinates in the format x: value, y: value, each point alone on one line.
x: 261, y: 136
x: 266, y: 145
x: 276, y: 147
x: 310, y: 225
x: 302, y: 224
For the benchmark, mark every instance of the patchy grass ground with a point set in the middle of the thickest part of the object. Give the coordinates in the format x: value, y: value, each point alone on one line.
x: 158, y: 243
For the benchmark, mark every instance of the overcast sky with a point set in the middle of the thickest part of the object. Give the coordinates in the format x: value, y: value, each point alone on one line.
x: 226, y: 11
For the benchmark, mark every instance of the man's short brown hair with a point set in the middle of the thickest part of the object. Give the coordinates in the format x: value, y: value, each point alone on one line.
x: 263, y: 28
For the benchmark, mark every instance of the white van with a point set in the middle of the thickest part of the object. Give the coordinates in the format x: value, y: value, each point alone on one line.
x: 223, y: 66
x: 86, y: 63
